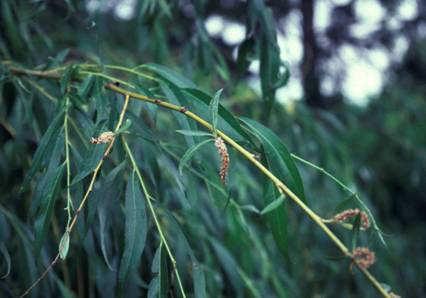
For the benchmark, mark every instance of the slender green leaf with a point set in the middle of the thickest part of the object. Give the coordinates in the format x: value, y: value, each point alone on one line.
x: 126, y: 125
x: 59, y: 58
x: 229, y: 265
x: 135, y: 230
x: 190, y: 152
x: 199, y: 281
x: 106, y: 193
x: 274, y: 205
x: 104, y: 238
x: 229, y: 118
x: 154, y: 287
x: 46, y: 208
x: 194, y: 133
x: 65, y: 292
x: 67, y: 77
x: 86, y: 87
x: 163, y: 273
x: 246, y: 51
x: 55, y: 160
x: 64, y: 245
x: 213, y: 107
x: 45, y: 147
x: 278, y: 157
x: 176, y: 96
x: 169, y: 75
x: 90, y: 162
x: 30, y: 269
x: 277, y: 218
x: 250, y: 208
x: 198, y: 273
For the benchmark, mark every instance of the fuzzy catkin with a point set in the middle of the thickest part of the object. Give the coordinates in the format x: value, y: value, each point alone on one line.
x: 349, y: 213
x: 103, y: 138
x: 363, y: 257
x: 224, y: 158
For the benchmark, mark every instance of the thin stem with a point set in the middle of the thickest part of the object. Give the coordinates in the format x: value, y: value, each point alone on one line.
x: 154, y: 215
x: 37, y: 73
x: 43, y: 275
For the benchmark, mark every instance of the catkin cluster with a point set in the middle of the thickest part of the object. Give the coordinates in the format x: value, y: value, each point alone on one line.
x: 363, y: 257
x: 103, y: 138
x: 350, y: 213
x: 224, y: 158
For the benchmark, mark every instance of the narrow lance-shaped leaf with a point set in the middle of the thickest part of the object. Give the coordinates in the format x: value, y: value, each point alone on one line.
x: 39, y: 195
x: 198, y: 273
x: 153, y: 287
x: 86, y: 86
x: 229, y: 118
x: 135, y: 231
x: 278, y: 157
x: 229, y: 266
x: 276, y: 218
x: 273, y: 205
x: 190, y: 152
x: 30, y: 270
x: 90, y: 162
x: 213, y: 107
x: 175, y: 96
x: 164, y: 273
x: 46, y: 145
x: 169, y: 75
x: 66, y: 78
x: 104, y: 237
x: 64, y: 245
x: 199, y: 281
x: 46, y: 208
x: 194, y: 133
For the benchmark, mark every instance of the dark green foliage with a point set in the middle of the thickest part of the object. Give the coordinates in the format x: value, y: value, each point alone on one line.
x: 135, y: 230
x: 242, y: 238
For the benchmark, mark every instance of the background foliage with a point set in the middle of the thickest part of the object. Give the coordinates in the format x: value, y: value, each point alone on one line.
x: 221, y: 243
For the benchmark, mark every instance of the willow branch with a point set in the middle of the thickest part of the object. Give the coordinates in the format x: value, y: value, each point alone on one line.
x: 282, y: 187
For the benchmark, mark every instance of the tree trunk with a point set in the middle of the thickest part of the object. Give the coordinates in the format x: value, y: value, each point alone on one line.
x: 309, y: 67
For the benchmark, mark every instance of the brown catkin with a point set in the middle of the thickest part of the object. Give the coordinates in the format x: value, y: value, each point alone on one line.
x: 224, y: 158
x: 363, y: 257
x: 349, y: 213
x: 104, y: 138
